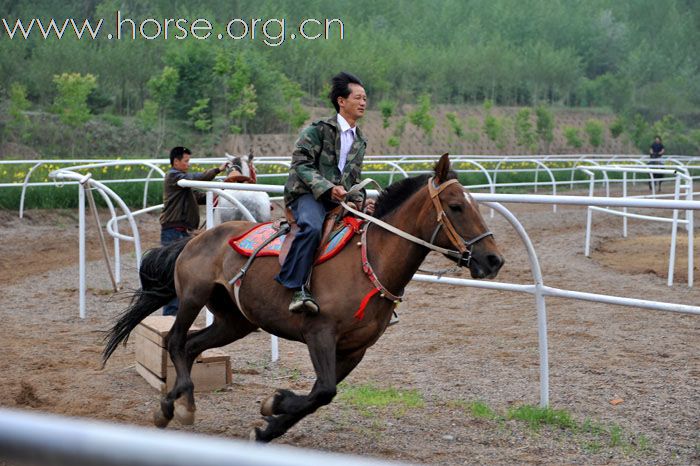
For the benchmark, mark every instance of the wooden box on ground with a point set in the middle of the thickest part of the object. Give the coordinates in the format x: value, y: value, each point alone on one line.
x: 211, y: 370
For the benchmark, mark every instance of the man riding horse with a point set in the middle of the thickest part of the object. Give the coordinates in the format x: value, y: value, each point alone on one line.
x: 326, y: 163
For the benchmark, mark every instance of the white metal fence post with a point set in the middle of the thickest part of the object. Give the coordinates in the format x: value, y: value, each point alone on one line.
x: 210, y: 224
x: 674, y: 232
x: 624, y: 209
x: 81, y: 245
x: 539, y: 299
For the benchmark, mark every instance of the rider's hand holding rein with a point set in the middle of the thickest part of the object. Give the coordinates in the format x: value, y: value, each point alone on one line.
x: 338, y: 193
x: 369, y: 206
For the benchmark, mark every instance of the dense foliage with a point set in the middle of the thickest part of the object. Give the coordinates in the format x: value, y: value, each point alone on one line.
x: 638, y: 57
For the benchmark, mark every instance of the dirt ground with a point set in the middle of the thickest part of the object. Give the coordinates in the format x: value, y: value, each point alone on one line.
x: 453, y: 346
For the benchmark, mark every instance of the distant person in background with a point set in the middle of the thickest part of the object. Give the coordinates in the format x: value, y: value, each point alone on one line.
x: 656, y: 151
x: 180, y: 216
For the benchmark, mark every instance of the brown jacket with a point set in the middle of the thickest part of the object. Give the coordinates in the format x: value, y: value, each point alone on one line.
x: 181, y: 205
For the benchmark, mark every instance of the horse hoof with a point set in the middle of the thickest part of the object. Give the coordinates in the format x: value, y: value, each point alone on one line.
x: 256, y: 435
x: 267, y: 405
x: 159, y: 419
x: 183, y: 415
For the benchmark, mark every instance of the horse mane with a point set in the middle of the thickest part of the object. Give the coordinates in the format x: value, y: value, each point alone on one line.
x: 398, y: 192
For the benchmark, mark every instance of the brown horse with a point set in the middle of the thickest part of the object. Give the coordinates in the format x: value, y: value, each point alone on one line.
x: 431, y: 209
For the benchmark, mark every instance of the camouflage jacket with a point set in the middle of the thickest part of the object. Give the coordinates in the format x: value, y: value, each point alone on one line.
x: 181, y: 205
x: 315, y: 161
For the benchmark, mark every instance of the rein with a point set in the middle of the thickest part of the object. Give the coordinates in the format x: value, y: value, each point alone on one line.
x: 463, y: 246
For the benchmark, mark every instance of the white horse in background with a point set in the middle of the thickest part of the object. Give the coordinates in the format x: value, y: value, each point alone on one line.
x: 257, y: 204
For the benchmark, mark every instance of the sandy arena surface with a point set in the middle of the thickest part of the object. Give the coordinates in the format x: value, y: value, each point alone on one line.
x: 453, y: 346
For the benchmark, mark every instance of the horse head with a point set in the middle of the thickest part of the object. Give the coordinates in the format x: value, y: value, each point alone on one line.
x: 460, y: 226
x: 235, y: 163
x: 241, y: 169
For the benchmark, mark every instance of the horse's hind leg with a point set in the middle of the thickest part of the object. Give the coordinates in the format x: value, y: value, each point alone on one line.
x: 177, y: 337
x: 229, y: 325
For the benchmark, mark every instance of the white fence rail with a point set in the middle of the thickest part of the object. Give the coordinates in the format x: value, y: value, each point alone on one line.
x: 41, y: 440
x: 488, y: 166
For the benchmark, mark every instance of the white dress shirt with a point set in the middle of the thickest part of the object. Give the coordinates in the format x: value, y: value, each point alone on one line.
x: 347, y: 137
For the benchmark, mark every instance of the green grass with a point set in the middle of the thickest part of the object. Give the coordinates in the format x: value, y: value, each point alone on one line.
x: 369, y: 399
x: 590, y: 435
x: 479, y: 409
x: 536, y: 416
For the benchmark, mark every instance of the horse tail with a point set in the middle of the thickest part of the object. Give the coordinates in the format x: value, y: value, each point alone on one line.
x: 157, y: 274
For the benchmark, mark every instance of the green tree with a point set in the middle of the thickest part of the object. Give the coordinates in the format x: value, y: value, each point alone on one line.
x: 617, y: 127
x: 292, y: 112
x: 245, y: 107
x: 241, y: 96
x: 422, y: 118
x: 640, y: 133
x: 387, y: 108
x: 524, y: 133
x: 71, y: 100
x: 545, y: 127
x: 163, y: 88
x: 147, y: 117
x: 455, y: 124
x: 193, y: 60
x: 594, y: 130
x: 572, y: 137
x: 18, y: 124
x: 495, y: 130
x: 395, y: 139
x: 200, y: 116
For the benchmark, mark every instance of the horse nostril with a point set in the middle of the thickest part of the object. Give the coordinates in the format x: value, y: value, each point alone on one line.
x: 494, y: 261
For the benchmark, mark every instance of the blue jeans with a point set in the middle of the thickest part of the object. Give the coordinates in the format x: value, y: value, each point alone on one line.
x: 309, y: 214
x: 167, y: 236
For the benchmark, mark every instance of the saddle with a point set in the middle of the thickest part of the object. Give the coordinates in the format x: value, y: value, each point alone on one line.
x: 337, y: 232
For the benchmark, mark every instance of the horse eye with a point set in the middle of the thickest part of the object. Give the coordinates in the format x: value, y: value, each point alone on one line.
x: 456, y: 207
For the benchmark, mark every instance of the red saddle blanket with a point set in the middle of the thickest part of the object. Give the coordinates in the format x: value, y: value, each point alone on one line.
x: 250, y: 240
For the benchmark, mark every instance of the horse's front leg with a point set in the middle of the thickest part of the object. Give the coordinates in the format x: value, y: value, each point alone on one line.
x: 291, y: 408
x: 285, y: 408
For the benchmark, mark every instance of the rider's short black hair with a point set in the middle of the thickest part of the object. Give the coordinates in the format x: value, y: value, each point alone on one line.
x: 177, y: 153
x: 340, y: 87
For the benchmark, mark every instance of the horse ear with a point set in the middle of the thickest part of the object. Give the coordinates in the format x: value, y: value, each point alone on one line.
x: 442, y: 168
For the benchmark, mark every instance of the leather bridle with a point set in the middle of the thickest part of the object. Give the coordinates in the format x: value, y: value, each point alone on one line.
x: 443, y: 222
x: 463, y: 254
